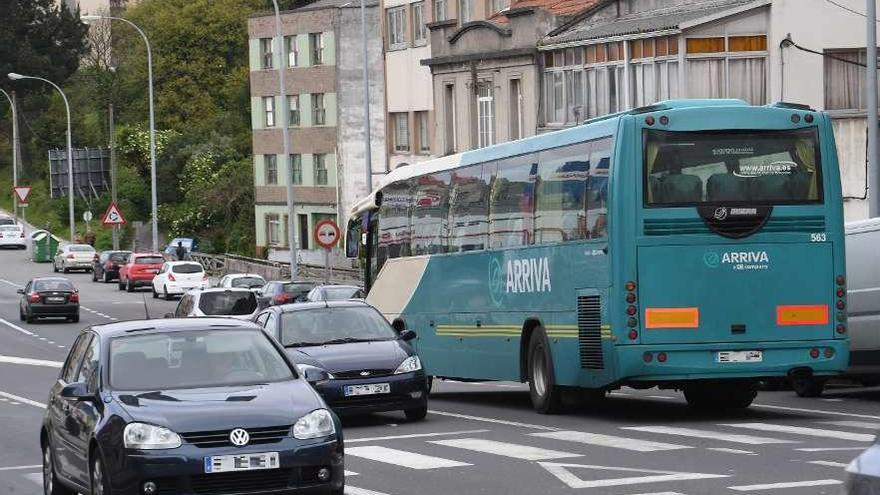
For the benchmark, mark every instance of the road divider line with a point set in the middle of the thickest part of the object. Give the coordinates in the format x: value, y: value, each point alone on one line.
x: 21, y: 468
x: 516, y: 451
x: 402, y: 458
x: 16, y: 327
x: 30, y: 362
x: 611, y: 441
x: 414, y: 435
x: 829, y: 464
x: 816, y: 411
x: 779, y: 486
x: 810, y: 432
x: 830, y: 449
x: 353, y: 490
x: 866, y: 425
x: 731, y: 451
x: 23, y: 400
x: 707, y: 434
x: 494, y: 420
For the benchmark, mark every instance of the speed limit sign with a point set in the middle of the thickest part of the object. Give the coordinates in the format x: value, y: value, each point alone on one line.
x: 327, y: 233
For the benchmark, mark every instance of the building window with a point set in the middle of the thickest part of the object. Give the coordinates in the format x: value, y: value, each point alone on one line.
x: 266, y: 53
x: 400, y: 121
x: 418, y: 20
x: 396, y: 28
x: 449, y: 142
x: 273, y: 230
x: 732, y: 67
x: 293, y: 109
x: 316, y: 41
x: 465, y: 10
x: 320, y: 169
x: 423, y: 131
x: 296, y: 166
x: 319, y: 113
x: 292, y: 53
x: 845, y: 82
x: 271, y: 170
x: 516, y: 107
x: 654, y: 70
x: 303, y: 231
x: 440, y: 10
x: 485, y: 115
x: 269, y: 111
x: 495, y: 6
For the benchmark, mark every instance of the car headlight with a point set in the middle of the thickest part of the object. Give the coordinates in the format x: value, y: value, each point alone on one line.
x: 302, y: 368
x: 316, y: 424
x: 410, y: 364
x: 146, y: 437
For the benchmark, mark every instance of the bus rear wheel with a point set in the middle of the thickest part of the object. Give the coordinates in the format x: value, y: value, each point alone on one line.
x: 808, y: 387
x: 720, y: 396
x: 545, y: 394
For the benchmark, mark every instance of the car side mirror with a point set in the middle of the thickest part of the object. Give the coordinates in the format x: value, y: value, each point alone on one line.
x: 315, y: 375
x: 407, y: 335
x: 169, y: 315
x: 76, y: 391
x: 262, y: 303
x: 20, y: 291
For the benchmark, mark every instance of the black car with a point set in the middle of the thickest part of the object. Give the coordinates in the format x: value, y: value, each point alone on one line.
x: 278, y: 292
x: 863, y: 473
x: 187, y: 406
x: 371, y: 366
x: 106, y: 266
x: 48, y: 297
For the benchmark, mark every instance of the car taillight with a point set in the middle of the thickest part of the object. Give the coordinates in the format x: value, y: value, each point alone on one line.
x: 70, y: 256
x: 281, y: 298
x: 109, y: 265
x: 171, y: 277
x: 205, y: 276
x: 95, y: 258
x: 74, y: 298
x: 35, y: 298
x: 21, y: 235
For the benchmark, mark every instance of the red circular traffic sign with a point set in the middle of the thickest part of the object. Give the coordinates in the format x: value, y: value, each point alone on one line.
x: 327, y: 233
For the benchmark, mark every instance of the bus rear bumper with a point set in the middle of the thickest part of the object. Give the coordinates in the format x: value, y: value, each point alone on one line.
x: 704, y: 361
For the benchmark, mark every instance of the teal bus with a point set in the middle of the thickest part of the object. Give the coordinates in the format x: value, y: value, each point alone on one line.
x: 694, y: 245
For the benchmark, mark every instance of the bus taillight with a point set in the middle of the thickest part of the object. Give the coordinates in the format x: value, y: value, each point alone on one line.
x: 661, y: 357
x: 841, y: 329
x: 631, y: 310
x: 633, y: 335
x: 814, y: 353
x: 841, y: 280
x: 630, y: 298
x: 630, y: 286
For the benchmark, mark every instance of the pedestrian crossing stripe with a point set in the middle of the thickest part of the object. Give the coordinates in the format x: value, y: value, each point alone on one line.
x: 564, y: 473
x: 516, y: 451
x: 401, y: 458
x: 707, y: 434
x: 633, y: 444
x: 800, y: 430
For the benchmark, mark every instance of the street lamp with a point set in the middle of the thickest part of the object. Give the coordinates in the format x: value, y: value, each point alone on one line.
x: 153, y: 198
x: 14, y: 152
x: 17, y: 77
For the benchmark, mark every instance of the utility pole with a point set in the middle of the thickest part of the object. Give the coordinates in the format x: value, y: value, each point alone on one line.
x: 113, y: 172
x: 871, y: 87
x: 15, y: 150
x: 367, y: 151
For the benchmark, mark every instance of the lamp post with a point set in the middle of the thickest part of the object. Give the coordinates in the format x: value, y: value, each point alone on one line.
x: 153, y: 197
x: 17, y: 77
x: 14, y: 152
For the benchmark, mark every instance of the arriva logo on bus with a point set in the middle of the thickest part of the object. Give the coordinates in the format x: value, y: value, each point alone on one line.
x: 738, y: 260
x: 518, y: 276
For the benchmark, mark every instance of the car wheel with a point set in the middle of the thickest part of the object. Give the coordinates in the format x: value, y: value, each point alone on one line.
x: 28, y: 317
x: 98, y: 476
x: 20, y: 314
x: 166, y: 294
x: 51, y: 485
x: 105, y: 278
x: 75, y: 318
x: 54, y: 267
x: 155, y: 294
x: 808, y: 387
x: 416, y: 414
x: 64, y: 268
x: 121, y: 285
x: 128, y: 286
x: 94, y: 276
x: 545, y: 394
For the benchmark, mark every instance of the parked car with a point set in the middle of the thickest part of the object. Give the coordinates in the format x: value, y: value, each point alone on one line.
x: 235, y: 303
x: 194, y: 405
x: 371, y: 367
x: 335, y: 293
x: 863, y: 473
x: 12, y: 236
x: 177, y: 277
x: 191, y: 245
x: 74, y: 257
x: 49, y: 297
x: 106, y: 267
x: 281, y: 292
x: 139, y: 270
x: 6, y: 220
x: 243, y: 280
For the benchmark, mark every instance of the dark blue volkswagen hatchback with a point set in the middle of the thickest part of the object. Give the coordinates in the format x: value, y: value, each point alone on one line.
x: 186, y: 406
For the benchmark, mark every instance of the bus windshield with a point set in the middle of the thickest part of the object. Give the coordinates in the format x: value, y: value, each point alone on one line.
x: 729, y: 167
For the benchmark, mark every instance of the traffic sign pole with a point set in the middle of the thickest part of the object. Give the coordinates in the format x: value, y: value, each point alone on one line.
x: 327, y: 235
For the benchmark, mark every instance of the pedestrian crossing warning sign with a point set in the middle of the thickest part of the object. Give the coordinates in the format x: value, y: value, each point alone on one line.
x: 113, y: 216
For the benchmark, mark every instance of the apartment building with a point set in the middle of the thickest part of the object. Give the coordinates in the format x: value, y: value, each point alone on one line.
x: 323, y: 60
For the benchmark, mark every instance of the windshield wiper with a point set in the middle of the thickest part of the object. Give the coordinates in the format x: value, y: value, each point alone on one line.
x: 347, y: 340
x: 301, y: 344
x: 157, y: 395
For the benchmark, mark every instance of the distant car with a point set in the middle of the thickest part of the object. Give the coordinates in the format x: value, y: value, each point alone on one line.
x: 175, y: 278
x: 139, y: 270
x: 191, y: 245
x: 240, y: 304
x: 371, y: 367
x: 6, y: 220
x: 186, y: 406
x: 74, y: 257
x: 49, y: 297
x: 106, y: 267
x: 242, y: 280
x: 12, y: 236
x: 335, y: 293
x: 863, y: 473
x: 281, y: 292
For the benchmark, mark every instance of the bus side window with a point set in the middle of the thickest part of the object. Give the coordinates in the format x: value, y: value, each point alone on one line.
x: 394, y: 227
x: 468, y: 209
x: 512, y: 201
x: 429, y: 214
x: 597, y: 189
x: 561, y: 197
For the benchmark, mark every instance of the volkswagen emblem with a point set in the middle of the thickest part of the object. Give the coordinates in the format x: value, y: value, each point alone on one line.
x: 239, y: 437
x: 365, y: 373
x: 720, y: 213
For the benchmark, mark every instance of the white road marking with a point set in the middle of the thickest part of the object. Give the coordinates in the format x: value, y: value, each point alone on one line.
x: 833, y: 400
x: 563, y: 472
x: 660, y: 493
x: 43, y: 339
x: 415, y: 435
x: 16, y: 327
x: 711, y: 435
x: 22, y: 400
x: 350, y: 473
x: 816, y: 411
x: 831, y: 449
x: 493, y: 420
x: 29, y: 361
x: 402, y: 458
x: 353, y: 490
x: 610, y: 441
x: 525, y: 452
x: 811, y: 432
x: 778, y: 486
x: 18, y: 468
x: 7, y: 282
x: 15, y: 403
x: 35, y: 477
x: 731, y: 451
x: 666, y: 397
x: 867, y: 425
x: 829, y: 464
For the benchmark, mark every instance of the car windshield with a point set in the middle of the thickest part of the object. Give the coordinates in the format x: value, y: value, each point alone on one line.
x: 9, y: 228
x: 228, y: 303
x: 299, y: 289
x: 7, y: 221
x: 81, y: 248
x: 248, y: 282
x: 187, y: 268
x: 43, y: 285
x: 187, y: 243
x: 342, y: 293
x: 322, y: 325
x: 149, y: 260
x: 119, y: 257
x: 194, y: 359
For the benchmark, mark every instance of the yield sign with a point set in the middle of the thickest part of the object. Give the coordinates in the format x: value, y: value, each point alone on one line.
x: 113, y: 216
x: 22, y: 193
x: 563, y: 472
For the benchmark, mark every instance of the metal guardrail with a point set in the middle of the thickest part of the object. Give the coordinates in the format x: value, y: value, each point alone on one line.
x: 219, y: 265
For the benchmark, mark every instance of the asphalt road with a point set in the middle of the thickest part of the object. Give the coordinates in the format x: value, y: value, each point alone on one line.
x: 483, y: 438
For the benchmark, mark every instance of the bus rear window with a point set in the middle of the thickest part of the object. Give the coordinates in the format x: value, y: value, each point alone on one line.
x: 730, y: 167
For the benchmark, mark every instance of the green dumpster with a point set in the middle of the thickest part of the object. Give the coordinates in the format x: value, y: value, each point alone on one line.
x: 44, y: 247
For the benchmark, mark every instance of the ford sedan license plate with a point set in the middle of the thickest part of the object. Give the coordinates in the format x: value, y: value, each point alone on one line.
x: 740, y: 357
x: 241, y: 462
x: 55, y: 299
x: 367, y: 389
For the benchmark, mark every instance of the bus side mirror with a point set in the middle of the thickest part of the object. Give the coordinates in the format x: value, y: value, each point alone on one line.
x: 352, y: 240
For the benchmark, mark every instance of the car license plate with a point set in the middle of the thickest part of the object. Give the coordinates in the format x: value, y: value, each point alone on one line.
x: 367, y: 389
x: 55, y: 299
x: 241, y: 462
x: 153, y: 270
x: 739, y: 357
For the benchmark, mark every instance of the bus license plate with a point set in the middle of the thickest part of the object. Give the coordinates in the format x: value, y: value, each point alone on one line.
x: 241, y: 462
x: 367, y: 389
x: 739, y: 357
